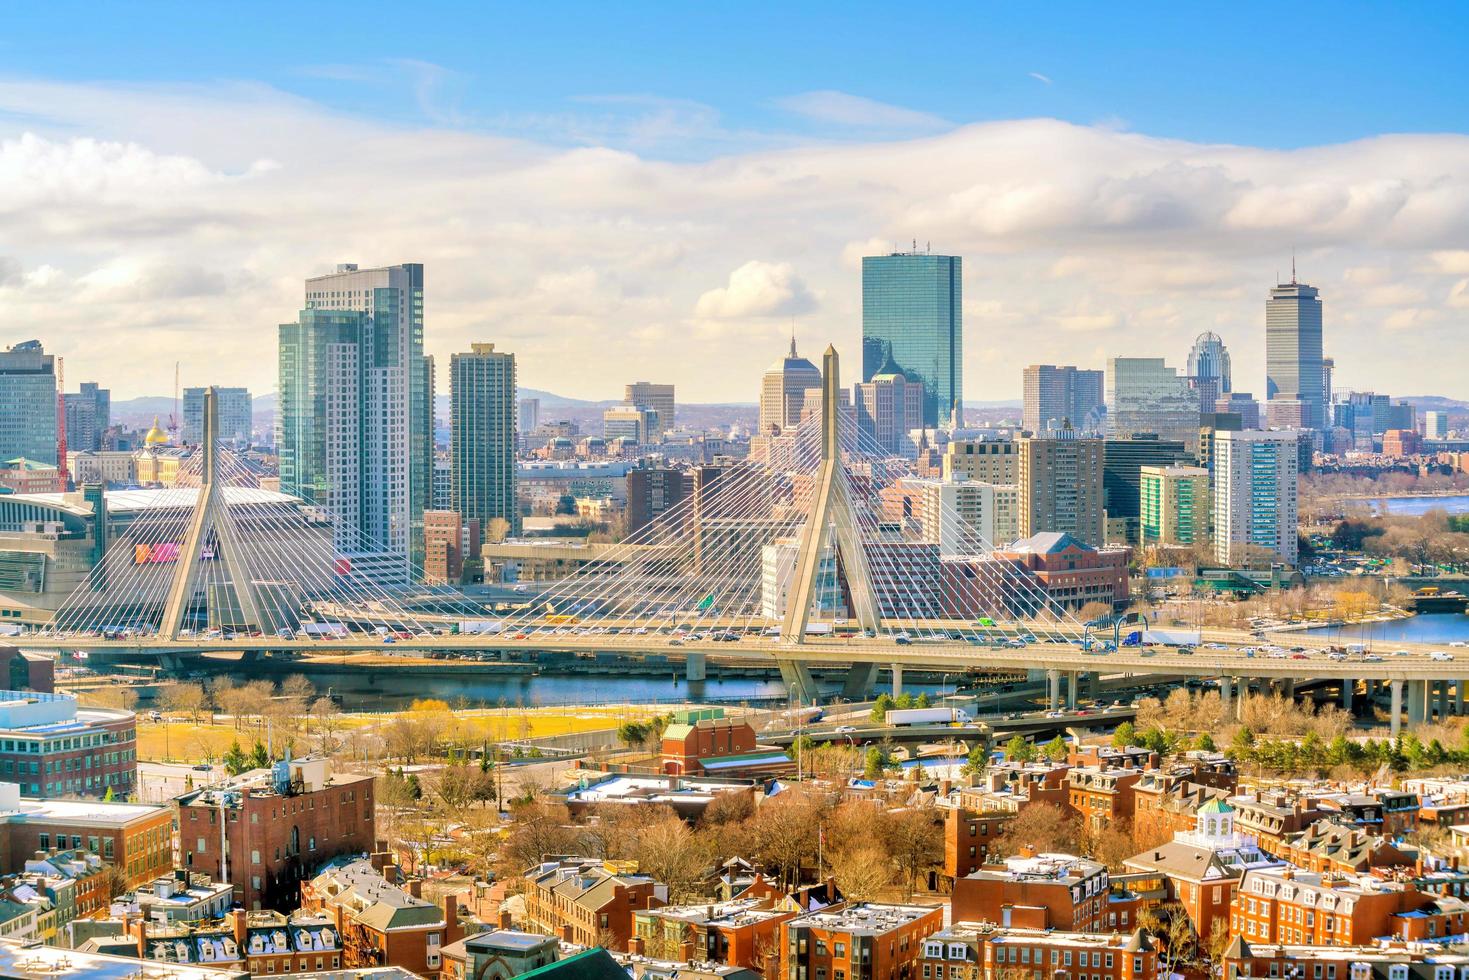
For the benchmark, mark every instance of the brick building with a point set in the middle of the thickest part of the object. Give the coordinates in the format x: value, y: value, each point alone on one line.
x: 858, y: 941
x: 1272, y: 816
x: 136, y: 837
x: 1165, y: 803
x: 589, y: 901
x: 1038, y: 891
x: 967, y: 950
x: 1103, y: 797
x: 1287, y: 905
x: 740, y: 932
x: 1329, y: 846
x: 382, y: 919
x: 968, y: 838
x: 1071, y: 572
x: 1394, y: 961
x: 54, y: 749
x: 21, y: 671
x: 281, y: 824
x: 704, y: 742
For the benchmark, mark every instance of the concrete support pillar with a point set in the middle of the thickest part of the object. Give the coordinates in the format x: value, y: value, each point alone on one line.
x: 897, y: 679
x: 1226, y: 685
x: 860, y: 683
x: 696, y: 666
x: 1348, y: 688
x: 1288, y: 688
x: 1395, y: 713
x: 798, y: 680
x: 1459, y: 696
x: 1417, y: 701
x: 1072, y: 678
x: 1053, y: 688
x: 1443, y: 700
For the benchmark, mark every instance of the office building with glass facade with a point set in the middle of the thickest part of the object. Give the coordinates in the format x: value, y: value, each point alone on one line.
x: 235, y: 408
x: 1054, y: 396
x: 88, y: 417
x: 28, y: 403
x: 1145, y: 395
x: 1293, y: 361
x: 913, y: 325
x: 483, y: 437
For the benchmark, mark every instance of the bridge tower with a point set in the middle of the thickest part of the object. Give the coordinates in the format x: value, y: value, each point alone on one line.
x: 209, y: 512
x: 830, y: 523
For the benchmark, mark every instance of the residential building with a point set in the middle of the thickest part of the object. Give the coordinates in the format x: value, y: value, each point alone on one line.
x: 482, y: 439
x: 971, y: 950
x: 1328, y: 846
x: 1166, y: 802
x: 1145, y: 395
x: 1400, y: 443
x: 1287, y: 905
x: 443, y: 547
x: 1175, y: 506
x: 589, y: 901
x: 442, y: 497
x: 1055, y: 396
x: 657, y: 399
x: 738, y: 932
x: 135, y: 837
x: 280, y: 824
x: 1122, y: 462
x: 530, y: 416
x: 26, y: 476
x: 88, y: 417
x: 28, y: 403
x: 354, y: 426
x: 889, y: 408
x: 985, y: 460
x: 1253, y: 496
x: 1060, y: 478
x: 969, y: 836
x: 183, y: 896
x: 1102, y: 795
x: 686, y: 796
x: 52, y: 749
x: 1396, y: 960
x: 236, y: 416
x: 1060, y: 570
x: 382, y: 919
x: 1038, y: 891
x: 965, y: 519
x: 1202, y: 867
x: 1210, y: 425
x: 1293, y: 359
x: 784, y: 390
x: 858, y: 941
x: 31, y: 960
x: 1208, y: 370
x: 651, y: 493
x: 913, y: 324
x: 1272, y: 816
x: 500, y: 954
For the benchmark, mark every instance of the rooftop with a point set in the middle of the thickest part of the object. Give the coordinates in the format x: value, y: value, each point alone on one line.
x: 25, y: 962
x: 867, y: 919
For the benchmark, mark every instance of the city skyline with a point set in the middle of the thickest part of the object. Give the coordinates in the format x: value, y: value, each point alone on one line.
x: 605, y: 236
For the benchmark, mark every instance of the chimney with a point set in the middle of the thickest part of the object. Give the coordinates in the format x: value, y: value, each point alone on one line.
x: 415, y: 887
x: 238, y: 920
x: 566, y: 934
x: 140, y: 933
x: 686, y: 952
x: 506, y: 920
x: 390, y: 873
x: 635, y: 945
x: 452, y: 931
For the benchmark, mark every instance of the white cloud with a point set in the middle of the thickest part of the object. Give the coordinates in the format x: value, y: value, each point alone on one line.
x: 1043, y: 79
x: 845, y: 109
x: 144, y: 224
x: 758, y: 289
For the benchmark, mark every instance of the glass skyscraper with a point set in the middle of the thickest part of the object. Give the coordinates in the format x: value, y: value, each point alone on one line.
x: 483, y: 437
x: 913, y: 325
x: 28, y: 403
x: 1293, y: 362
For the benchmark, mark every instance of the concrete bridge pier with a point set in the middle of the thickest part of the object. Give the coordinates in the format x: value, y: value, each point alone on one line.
x: 1417, y: 702
x: 1348, y: 688
x: 1443, y: 700
x: 1395, y: 713
x: 1053, y: 687
x: 897, y: 679
x: 860, y: 683
x: 798, y: 680
x: 1459, y: 696
x: 696, y: 667
x: 1226, y: 693
x: 1073, y: 677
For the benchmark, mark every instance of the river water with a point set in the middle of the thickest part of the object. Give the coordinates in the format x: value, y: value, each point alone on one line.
x: 1412, y: 506
x: 1427, y: 628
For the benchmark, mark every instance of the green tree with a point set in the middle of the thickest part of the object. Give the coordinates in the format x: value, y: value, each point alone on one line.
x: 977, y: 762
x: 1242, y: 746
x: 1055, y: 749
x: 904, y: 701
x: 259, y: 758
x: 880, y: 708
x: 802, y: 745
x: 235, y: 760
x: 873, y: 763
x: 1020, y: 749
x: 1204, y: 743
x: 923, y: 701
x: 1125, y: 735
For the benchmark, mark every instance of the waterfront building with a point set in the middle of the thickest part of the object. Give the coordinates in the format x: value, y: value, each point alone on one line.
x: 1208, y: 370
x: 985, y: 460
x: 482, y: 439
x: 88, y: 417
x: 355, y: 422
x: 1294, y: 368
x: 1055, y: 395
x: 889, y: 407
x: 1122, y: 462
x: 913, y: 324
x: 1254, y: 496
x: 1175, y: 505
x: 28, y: 403
x: 784, y: 390
x: 236, y: 418
x: 1145, y: 395
x: 657, y: 399
x: 1060, y: 478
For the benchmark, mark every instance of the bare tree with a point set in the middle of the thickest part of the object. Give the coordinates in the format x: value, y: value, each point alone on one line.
x: 862, y: 871
x: 185, y: 698
x: 1044, y: 826
x: 915, y: 840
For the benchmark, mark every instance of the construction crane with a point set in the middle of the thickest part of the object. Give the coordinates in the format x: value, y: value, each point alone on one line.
x: 61, y: 422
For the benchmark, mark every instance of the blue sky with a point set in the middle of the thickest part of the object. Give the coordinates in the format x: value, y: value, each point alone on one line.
x: 1264, y: 74
x: 617, y: 191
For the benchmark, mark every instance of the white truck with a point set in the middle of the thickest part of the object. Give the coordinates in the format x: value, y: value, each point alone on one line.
x: 335, y: 631
x: 927, y: 716
x: 1172, y: 638
x: 470, y: 627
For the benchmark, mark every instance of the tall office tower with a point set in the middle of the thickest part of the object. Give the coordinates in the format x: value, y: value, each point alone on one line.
x: 28, y: 403
x: 913, y: 324
x: 629, y: 422
x: 783, y: 392
x: 442, y: 497
x: 482, y: 439
x: 1293, y: 362
x: 1254, y: 496
x: 653, y: 492
x: 88, y: 415
x: 396, y: 397
x: 1435, y: 425
x: 1061, y: 486
x: 657, y: 399
x: 1208, y: 369
x: 984, y: 460
x: 530, y: 415
x: 1328, y: 368
x: 1055, y: 395
x: 1122, y: 464
x: 236, y: 415
x: 889, y: 407
x: 1240, y: 403
x: 1145, y: 395
x: 1175, y: 505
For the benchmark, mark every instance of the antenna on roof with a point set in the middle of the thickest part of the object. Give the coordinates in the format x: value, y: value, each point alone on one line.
x: 793, y: 338
x: 1293, y: 265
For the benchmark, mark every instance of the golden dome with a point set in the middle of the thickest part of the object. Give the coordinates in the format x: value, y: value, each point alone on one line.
x: 155, y: 436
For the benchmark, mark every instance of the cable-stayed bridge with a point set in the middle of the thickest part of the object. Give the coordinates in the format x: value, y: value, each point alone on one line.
x: 807, y: 556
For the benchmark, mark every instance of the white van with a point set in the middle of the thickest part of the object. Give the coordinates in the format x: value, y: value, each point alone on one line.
x: 1440, y: 655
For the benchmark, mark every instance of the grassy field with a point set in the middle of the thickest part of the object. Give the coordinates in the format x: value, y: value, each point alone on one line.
x: 178, y: 739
